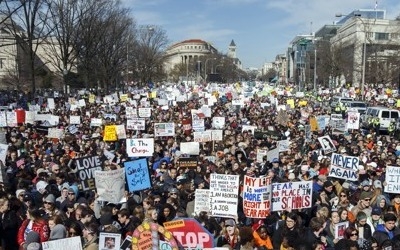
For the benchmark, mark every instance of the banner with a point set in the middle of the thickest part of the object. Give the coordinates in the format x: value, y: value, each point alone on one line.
x: 164, y: 129
x: 109, y: 241
x: 190, y: 233
x: 137, y: 175
x: 86, y: 166
x: 187, y: 162
x: 293, y: 195
x: 256, y: 197
x: 63, y: 244
x: 344, y: 167
x: 11, y: 117
x: 136, y: 124
x: 326, y: 144
x: 202, y: 201
x: 392, y: 180
x: 110, y: 133
x: 110, y: 185
x: 224, y: 195
x: 140, y: 147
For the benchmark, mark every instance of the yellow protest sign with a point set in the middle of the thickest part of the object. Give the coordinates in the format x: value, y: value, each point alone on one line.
x: 398, y: 103
x: 290, y: 102
x: 313, y: 124
x: 123, y: 97
x: 110, y: 133
x: 153, y: 95
x: 302, y: 103
x: 92, y: 98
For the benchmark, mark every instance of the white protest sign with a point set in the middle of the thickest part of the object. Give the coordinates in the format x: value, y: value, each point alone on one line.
x: 136, y: 124
x: 75, y: 119
x: 55, y: 133
x: 140, y: 147
x: 202, y: 201
x: 249, y: 128
x: 257, y: 197
x: 353, y: 120
x: 54, y: 120
x: 203, y: 136
x: 344, y: 167
x: 82, y: 103
x: 260, y: 155
x: 50, y: 103
x: 392, y: 179
x: 96, y: 122
x: 283, y: 145
x: 217, y: 135
x: 110, y: 185
x: 218, y: 122
x: 190, y: 148
x: 130, y: 112
x: 109, y: 241
x: 144, y: 112
x: 224, y: 195
x: 30, y: 117
x: 121, y: 133
x: 206, y: 111
x: 291, y: 195
x: 11, y: 118
x: 3, y: 119
x: 273, y: 155
x: 3, y: 152
x: 164, y: 129
x: 63, y: 244
x: 326, y: 144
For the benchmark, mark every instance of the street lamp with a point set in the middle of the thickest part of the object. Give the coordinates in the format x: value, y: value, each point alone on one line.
x: 358, y: 17
x: 205, y: 67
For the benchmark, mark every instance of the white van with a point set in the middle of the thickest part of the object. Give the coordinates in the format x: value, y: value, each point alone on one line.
x: 385, y: 115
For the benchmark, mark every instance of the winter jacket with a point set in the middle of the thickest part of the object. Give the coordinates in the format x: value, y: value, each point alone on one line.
x: 39, y: 226
x: 9, y: 224
x: 381, y: 234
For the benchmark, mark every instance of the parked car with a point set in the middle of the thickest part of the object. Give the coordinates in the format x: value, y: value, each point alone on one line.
x: 337, y: 99
x: 359, y: 106
x: 385, y: 115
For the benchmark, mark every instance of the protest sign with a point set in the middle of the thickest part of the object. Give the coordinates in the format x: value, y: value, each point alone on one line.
x: 127, y: 243
x: 273, y: 155
x: 55, y: 133
x: 344, y: 167
x: 249, y: 128
x: 392, y: 180
x: 86, y: 166
x: 283, y: 145
x: 11, y: 117
x: 110, y: 185
x: 3, y: 152
x: 96, y: 122
x: 321, y: 120
x: 202, y: 201
x: 3, y: 119
x: 224, y: 195
x: 146, y: 236
x: 108, y: 154
x: 144, y: 112
x: 73, y: 129
x: 313, y: 123
x: 203, y: 136
x: 293, y: 195
x: 260, y: 154
x: 190, y: 148
x: 187, y: 162
x: 197, y: 123
x: 110, y: 133
x: 109, y: 241
x: 256, y: 197
x: 326, y: 144
x: 164, y: 129
x: 353, y: 120
x: 50, y: 103
x: 136, y: 124
x: 74, y: 119
x: 217, y: 135
x: 137, y: 175
x: 190, y: 234
x: 121, y: 133
x: 140, y: 147
x: 340, y: 229
x: 81, y: 103
x: 63, y: 244
x: 131, y: 112
x: 218, y: 122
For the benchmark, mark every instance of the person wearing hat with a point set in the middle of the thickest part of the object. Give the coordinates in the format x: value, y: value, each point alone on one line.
x: 229, y: 235
x: 364, y: 204
x: 329, y: 190
x: 49, y: 207
x: 387, y: 230
x: 375, y: 219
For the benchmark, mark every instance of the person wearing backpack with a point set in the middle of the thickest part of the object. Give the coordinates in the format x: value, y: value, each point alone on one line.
x: 387, y: 230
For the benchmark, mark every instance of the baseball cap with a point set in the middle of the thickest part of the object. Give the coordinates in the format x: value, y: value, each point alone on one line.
x: 230, y: 222
x: 376, y: 211
x: 377, y: 184
x: 365, y: 195
x: 365, y: 183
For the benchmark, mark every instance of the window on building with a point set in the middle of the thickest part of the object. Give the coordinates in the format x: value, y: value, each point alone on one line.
x: 2, y: 63
x: 381, y: 36
x: 394, y: 36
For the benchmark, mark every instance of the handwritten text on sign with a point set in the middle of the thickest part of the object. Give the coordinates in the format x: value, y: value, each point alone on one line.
x: 140, y: 147
x: 224, y: 195
x: 86, y: 167
x: 294, y: 195
x: 257, y: 197
x: 392, y: 179
x: 137, y: 175
x: 345, y: 161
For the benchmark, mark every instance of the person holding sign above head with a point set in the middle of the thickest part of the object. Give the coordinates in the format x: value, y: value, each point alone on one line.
x: 261, y: 237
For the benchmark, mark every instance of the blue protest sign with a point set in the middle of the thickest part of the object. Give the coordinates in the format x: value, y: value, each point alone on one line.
x: 137, y: 175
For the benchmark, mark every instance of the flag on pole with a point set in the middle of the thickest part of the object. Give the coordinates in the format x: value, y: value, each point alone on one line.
x: 376, y: 4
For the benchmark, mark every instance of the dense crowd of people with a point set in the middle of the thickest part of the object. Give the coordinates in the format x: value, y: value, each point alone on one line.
x: 40, y: 200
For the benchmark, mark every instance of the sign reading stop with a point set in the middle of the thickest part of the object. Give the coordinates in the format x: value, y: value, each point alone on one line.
x: 190, y: 234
